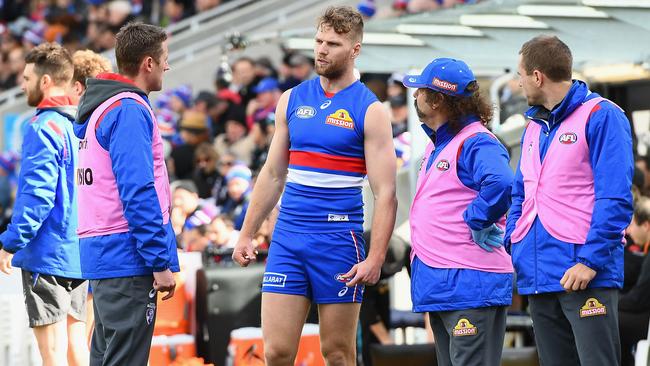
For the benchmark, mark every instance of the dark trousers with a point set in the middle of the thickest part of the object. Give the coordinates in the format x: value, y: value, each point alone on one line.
x: 577, y: 328
x: 125, y: 313
x: 469, y: 337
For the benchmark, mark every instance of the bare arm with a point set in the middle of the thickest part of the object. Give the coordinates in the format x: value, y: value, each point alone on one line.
x: 269, y: 185
x: 382, y: 167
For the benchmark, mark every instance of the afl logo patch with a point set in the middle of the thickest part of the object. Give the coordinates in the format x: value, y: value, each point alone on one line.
x: 442, y: 165
x: 305, y: 112
x: 568, y: 138
x: 340, y: 278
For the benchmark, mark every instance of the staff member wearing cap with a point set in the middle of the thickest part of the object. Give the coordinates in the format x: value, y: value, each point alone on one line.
x: 461, y: 274
x: 571, y: 201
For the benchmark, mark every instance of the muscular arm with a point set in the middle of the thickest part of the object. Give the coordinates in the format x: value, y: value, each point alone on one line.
x: 381, y: 166
x: 270, y: 181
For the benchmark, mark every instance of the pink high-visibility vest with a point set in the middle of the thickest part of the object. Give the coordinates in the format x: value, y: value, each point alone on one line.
x: 100, y: 207
x: 560, y: 190
x: 439, y: 235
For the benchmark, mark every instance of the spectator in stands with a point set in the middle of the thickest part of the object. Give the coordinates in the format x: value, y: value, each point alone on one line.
x: 208, y: 103
x: 235, y: 140
x: 395, y: 86
x: 264, y: 68
x: 194, y: 131
x: 203, y: 5
x: 244, y: 79
x: 180, y: 99
x: 176, y: 10
x: 367, y: 8
x: 220, y: 189
x: 642, y: 163
x: 637, y: 243
x: 185, y: 201
x: 222, y: 233
x: 302, y: 67
x: 195, y: 232
x: 87, y: 64
x: 634, y: 305
x: 8, y: 161
x: 268, y: 93
x: 238, y: 180
x: 398, y: 114
x: 39, y: 240
x: 17, y: 64
x: 206, y: 175
x: 512, y: 100
x: 261, y: 135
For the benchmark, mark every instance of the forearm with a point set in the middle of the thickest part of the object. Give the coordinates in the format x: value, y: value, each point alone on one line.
x: 383, y: 222
x: 265, y: 196
x: 381, y: 333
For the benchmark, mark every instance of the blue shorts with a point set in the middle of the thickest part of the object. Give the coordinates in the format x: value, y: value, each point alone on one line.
x: 310, y: 265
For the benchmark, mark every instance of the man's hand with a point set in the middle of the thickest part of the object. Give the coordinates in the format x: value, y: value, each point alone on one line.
x: 5, y: 261
x: 364, y: 273
x: 244, y: 252
x: 164, y: 281
x: 577, y: 277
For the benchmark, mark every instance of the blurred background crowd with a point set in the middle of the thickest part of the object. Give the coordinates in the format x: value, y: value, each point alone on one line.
x: 217, y: 139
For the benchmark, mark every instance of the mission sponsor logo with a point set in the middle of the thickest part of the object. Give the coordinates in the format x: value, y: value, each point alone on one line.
x: 340, y: 118
x: 305, y: 112
x: 592, y: 307
x: 464, y: 328
x: 443, y: 84
x: 568, y: 138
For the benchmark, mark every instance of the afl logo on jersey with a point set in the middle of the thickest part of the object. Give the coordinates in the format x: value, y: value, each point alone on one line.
x: 340, y: 118
x: 442, y: 165
x: 305, y: 112
x: 568, y: 138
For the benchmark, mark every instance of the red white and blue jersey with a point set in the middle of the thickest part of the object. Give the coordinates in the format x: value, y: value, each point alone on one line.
x: 326, y: 158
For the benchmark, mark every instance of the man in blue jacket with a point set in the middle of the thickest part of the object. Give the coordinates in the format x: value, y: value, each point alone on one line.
x: 41, y: 238
x: 571, y: 202
x: 127, y: 245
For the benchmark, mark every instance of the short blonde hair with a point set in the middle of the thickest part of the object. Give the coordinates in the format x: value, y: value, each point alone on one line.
x: 344, y: 20
x: 87, y: 64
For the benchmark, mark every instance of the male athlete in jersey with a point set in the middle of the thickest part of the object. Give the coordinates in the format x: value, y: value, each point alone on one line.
x: 330, y: 132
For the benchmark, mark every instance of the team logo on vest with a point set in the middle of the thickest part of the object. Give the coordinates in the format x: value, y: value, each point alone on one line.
x: 464, y: 328
x: 150, y: 313
x: 592, y: 307
x: 568, y: 138
x: 305, y: 112
x: 274, y: 279
x: 443, y: 165
x: 340, y: 118
x: 442, y: 84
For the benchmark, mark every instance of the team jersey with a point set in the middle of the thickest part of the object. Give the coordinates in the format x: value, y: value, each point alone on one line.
x: 326, y: 158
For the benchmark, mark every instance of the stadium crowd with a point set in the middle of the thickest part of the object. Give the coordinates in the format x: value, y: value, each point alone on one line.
x: 217, y: 140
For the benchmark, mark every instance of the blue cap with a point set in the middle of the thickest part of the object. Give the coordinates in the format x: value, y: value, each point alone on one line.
x: 444, y: 75
x: 367, y: 8
x: 265, y: 85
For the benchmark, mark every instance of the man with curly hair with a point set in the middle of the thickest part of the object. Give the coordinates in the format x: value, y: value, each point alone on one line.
x: 460, y: 273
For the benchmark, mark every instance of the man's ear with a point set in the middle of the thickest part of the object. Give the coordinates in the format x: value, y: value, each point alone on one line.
x: 539, y: 78
x: 147, y: 64
x: 45, y: 82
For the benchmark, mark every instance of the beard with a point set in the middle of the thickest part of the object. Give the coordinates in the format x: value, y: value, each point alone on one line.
x: 332, y: 70
x: 419, y: 112
x: 34, y: 96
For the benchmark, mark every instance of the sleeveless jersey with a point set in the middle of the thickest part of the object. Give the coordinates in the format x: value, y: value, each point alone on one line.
x: 326, y: 159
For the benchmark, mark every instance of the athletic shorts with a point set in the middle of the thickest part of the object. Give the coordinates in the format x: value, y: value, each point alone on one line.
x: 50, y: 299
x: 312, y: 265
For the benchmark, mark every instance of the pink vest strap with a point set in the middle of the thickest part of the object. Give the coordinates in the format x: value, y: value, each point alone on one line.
x: 559, y: 190
x: 100, y: 208
x: 439, y: 235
